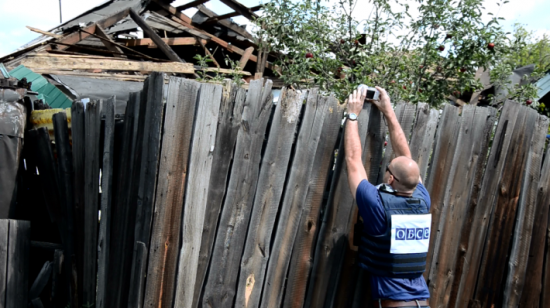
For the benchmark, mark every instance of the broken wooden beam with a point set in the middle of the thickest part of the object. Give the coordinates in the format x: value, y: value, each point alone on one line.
x: 241, y: 9
x: 74, y: 63
x: 226, y: 23
x: 245, y: 57
x: 44, y: 32
x: 167, y: 50
x: 172, y: 41
x: 191, y: 4
x: 230, y: 15
x: 109, y: 43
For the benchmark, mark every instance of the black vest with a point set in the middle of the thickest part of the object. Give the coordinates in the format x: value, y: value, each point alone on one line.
x: 374, y: 251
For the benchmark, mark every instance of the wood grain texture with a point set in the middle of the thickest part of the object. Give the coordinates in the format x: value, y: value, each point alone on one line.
x: 470, y: 154
x: 163, y: 252
x: 104, y: 237
x: 267, y: 198
x: 491, y: 278
x: 78, y: 149
x: 516, y: 278
x: 66, y: 173
x: 4, y: 232
x: 302, y: 253
x: 139, y: 271
x: 473, y: 242
x: 196, y: 197
x: 221, y: 282
x: 438, y: 173
x: 423, y: 136
x: 293, y: 205
x: 91, y: 201
x: 542, y: 237
x: 17, y: 271
x: 333, y: 234
x: 229, y: 120
x: 122, y: 232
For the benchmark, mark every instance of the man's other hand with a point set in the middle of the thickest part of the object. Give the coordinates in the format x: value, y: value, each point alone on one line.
x: 384, y: 103
x: 355, y: 100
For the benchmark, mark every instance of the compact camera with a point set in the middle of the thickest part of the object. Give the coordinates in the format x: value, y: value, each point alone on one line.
x: 372, y: 93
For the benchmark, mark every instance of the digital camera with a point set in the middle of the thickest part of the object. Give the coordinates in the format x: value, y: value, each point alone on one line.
x: 372, y: 93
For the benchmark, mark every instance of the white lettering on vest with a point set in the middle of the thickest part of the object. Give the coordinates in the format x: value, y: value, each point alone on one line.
x: 410, y: 233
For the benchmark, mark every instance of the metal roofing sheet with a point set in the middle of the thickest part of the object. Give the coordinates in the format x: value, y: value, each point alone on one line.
x: 52, y: 95
x: 543, y: 86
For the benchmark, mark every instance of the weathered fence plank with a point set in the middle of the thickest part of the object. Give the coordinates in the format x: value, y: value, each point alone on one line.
x: 438, y: 172
x: 91, y: 201
x: 490, y: 281
x: 267, y: 198
x: 78, y: 141
x: 293, y: 205
x: 200, y: 167
x: 4, y: 231
x: 221, y: 283
x: 104, y: 238
x: 525, y: 218
x: 423, y: 134
x: 302, y: 253
x: 471, y: 243
x: 335, y: 226
x: 231, y: 109
x: 542, y: 237
x: 471, y: 151
x: 65, y: 160
x: 163, y: 252
x: 122, y: 226
x: 139, y: 270
x: 17, y: 266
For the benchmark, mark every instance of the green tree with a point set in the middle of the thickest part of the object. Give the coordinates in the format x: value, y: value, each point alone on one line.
x: 423, y: 58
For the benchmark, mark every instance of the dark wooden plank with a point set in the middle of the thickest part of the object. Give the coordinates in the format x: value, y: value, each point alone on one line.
x: 190, y: 4
x: 196, y: 197
x: 4, y: 229
x: 57, y: 278
x: 231, y: 109
x: 17, y: 274
x: 541, y: 237
x: 78, y: 149
x: 302, y: 253
x: 221, y: 282
x: 91, y: 201
x: 268, y: 197
x: 405, y: 116
x: 293, y: 205
x: 163, y: 252
x: 165, y: 48
x: 516, y: 278
x: 104, y: 237
x: 471, y: 151
x: 472, y: 243
x: 42, y: 279
x: 490, y: 281
x: 226, y: 23
x: 122, y: 217
x: 440, y: 166
x: 65, y: 160
x: 333, y: 237
x: 423, y: 134
x: 135, y: 296
x: 241, y: 9
x: 109, y: 43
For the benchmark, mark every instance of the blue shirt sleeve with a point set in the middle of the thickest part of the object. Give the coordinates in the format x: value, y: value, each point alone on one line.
x: 371, y: 208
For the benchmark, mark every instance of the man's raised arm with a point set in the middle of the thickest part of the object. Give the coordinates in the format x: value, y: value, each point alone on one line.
x: 397, y: 136
x: 352, y: 142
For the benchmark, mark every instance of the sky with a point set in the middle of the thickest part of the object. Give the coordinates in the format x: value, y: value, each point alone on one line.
x: 44, y: 15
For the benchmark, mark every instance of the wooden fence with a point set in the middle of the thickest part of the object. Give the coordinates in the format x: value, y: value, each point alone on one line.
x: 212, y: 196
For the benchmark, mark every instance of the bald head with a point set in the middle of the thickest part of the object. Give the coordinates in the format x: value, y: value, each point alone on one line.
x: 406, y: 171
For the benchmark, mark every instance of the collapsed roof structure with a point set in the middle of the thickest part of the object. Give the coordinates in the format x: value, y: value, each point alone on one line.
x: 125, y: 40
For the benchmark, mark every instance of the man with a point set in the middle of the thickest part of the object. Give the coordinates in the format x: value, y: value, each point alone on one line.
x: 395, y: 237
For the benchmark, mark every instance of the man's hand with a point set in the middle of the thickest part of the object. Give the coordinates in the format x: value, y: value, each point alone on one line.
x: 384, y: 103
x: 355, y: 100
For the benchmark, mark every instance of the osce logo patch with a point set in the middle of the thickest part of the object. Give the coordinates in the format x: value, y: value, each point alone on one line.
x: 412, y: 234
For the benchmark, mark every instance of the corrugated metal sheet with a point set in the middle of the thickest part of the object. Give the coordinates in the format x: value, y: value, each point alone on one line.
x: 51, y: 94
x: 3, y: 71
x: 544, y: 86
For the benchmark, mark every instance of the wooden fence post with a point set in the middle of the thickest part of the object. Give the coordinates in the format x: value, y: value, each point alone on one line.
x: 220, y: 285
x: 14, y: 258
x: 423, y: 134
x: 200, y: 167
x: 163, y: 252
x: 542, y: 239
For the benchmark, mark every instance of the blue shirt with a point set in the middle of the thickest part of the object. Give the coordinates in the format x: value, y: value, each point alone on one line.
x: 374, y: 218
